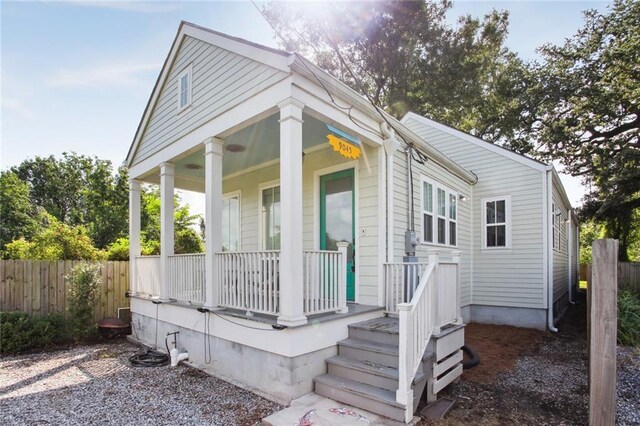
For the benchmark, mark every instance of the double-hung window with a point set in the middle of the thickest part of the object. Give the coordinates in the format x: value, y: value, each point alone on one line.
x: 439, y: 214
x: 270, y: 202
x: 231, y: 222
x: 496, y: 222
x: 184, y: 89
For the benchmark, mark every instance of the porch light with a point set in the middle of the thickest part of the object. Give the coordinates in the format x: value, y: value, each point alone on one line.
x: 347, y: 145
x: 463, y: 197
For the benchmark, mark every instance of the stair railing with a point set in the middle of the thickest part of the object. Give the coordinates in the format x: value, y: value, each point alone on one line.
x: 417, y: 322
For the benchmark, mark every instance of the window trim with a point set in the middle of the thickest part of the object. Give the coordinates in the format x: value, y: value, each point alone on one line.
x: 436, y: 215
x: 188, y: 71
x: 231, y: 194
x: 507, y: 222
x: 261, y: 187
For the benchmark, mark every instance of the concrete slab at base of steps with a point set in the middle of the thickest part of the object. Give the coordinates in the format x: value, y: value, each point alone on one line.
x: 323, y: 411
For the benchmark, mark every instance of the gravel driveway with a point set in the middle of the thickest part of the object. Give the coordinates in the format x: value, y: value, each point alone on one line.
x: 96, y: 384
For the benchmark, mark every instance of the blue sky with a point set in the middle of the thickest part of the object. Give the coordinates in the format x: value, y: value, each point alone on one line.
x: 76, y: 76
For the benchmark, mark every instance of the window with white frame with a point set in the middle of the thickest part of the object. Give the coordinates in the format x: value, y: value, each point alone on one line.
x: 271, y: 218
x: 439, y: 214
x: 184, y: 89
x: 231, y: 222
x: 496, y: 222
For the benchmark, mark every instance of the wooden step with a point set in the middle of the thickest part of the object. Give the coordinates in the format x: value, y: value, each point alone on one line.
x: 366, y: 350
x: 381, y: 330
x: 361, y: 395
x: 382, y: 376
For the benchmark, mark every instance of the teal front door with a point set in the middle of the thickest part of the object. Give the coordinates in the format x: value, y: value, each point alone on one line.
x: 337, y: 219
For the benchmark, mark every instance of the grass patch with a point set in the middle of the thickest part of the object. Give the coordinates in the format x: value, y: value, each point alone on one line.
x: 628, y: 319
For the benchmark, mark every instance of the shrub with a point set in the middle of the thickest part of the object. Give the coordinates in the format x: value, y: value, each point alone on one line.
x: 84, y: 282
x: 119, y: 250
x: 20, y: 332
x: 628, y: 319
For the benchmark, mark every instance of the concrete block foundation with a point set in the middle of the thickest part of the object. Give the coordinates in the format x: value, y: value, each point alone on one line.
x: 276, y: 377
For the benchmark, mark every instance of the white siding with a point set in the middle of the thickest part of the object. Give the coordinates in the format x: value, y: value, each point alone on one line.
x: 366, y: 216
x: 221, y: 80
x: 400, y: 196
x: 561, y: 253
x: 500, y: 277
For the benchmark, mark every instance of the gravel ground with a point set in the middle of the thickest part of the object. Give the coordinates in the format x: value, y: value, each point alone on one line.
x: 96, y: 384
x: 547, y: 386
x: 628, y: 403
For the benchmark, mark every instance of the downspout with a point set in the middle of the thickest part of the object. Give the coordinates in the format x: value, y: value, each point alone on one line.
x: 570, y: 240
x: 549, y: 213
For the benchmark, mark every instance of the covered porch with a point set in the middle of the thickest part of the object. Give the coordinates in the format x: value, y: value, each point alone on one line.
x: 282, y: 220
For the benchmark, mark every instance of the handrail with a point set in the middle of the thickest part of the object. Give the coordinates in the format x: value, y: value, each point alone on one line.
x: 415, y: 330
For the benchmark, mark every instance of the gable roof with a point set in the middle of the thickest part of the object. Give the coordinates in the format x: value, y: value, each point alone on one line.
x: 497, y: 149
x: 269, y: 56
x: 287, y: 62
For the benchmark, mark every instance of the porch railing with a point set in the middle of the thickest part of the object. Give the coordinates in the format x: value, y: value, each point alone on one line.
x: 324, y: 282
x: 401, y: 282
x: 187, y: 278
x: 147, y: 279
x: 249, y: 281
x: 434, y: 303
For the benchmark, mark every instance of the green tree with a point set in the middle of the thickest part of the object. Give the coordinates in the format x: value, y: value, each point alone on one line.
x: 584, y: 110
x: 54, y: 240
x: 80, y: 190
x: 407, y: 58
x: 16, y: 211
x: 186, y: 238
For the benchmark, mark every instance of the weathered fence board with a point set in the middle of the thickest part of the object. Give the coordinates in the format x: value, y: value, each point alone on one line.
x: 38, y: 287
x: 628, y: 275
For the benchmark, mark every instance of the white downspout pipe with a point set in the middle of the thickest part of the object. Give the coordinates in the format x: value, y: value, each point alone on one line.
x: 550, y: 218
x: 570, y: 245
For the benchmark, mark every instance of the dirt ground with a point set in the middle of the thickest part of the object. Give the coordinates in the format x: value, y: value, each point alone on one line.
x: 525, y: 377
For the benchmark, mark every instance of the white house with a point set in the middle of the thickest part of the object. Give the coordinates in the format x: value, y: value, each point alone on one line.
x: 524, y: 243
x: 323, y: 271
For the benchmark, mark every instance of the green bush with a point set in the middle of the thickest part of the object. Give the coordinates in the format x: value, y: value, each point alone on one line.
x: 84, y: 283
x: 20, y: 332
x: 119, y: 250
x: 628, y: 319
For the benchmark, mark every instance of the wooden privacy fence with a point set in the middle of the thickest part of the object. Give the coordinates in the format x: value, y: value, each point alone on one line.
x: 38, y: 287
x: 628, y: 275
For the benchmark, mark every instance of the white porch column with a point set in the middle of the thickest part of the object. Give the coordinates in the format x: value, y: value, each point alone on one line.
x: 213, y: 215
x: 166, y: 226
x: 291, y: 284
x: 134, y: 233
x: 342, y: 284
x: 434, y: 258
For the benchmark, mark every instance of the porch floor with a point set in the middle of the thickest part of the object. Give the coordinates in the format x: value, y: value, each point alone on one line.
x: 354, y: 309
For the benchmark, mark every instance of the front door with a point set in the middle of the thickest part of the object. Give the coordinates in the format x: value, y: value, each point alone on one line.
x: 337, y: 219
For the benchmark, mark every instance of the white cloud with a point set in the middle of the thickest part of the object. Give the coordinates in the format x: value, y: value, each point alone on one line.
x: 141, y: 6
x: 109, y: 76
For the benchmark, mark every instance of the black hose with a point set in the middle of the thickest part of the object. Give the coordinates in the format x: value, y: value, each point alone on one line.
x: 150, y: 358
x: 475, y: 359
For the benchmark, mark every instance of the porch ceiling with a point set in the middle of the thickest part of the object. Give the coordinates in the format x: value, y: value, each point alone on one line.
x: 260, y: 142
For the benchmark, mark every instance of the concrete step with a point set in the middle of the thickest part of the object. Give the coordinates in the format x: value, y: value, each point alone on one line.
x: 381, y: 330
x: 366, y: 350
x: 361, y: 395
x: 367, y: 372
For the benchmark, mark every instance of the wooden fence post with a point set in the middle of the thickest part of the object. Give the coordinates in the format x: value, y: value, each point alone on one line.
x: 603, y: 315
